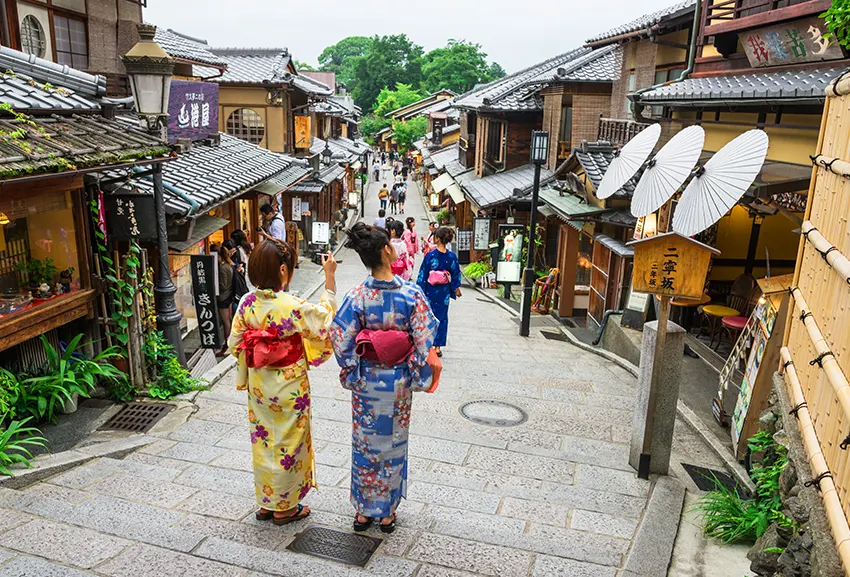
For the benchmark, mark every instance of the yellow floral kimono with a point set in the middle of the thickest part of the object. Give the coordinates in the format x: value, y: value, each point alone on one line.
x: 279, y: 398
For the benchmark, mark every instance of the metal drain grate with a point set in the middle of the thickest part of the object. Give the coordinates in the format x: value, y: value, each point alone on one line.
x: 493, y: 413
x: 555, y: 336
x: 705, y: 479
x: 137, y: 417
x: 340, y: 546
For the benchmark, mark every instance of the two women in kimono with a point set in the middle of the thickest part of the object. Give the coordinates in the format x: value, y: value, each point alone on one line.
x: 277, y: 337
x: 383, y: 306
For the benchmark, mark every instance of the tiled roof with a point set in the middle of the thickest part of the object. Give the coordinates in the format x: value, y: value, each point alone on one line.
x: 445, y: 156
x: 331, y: 173
x: 498, y: 188
x: 211, y: 174
x: 252, y: 65
x: 308, y: 85
x: 413, y: 108
x: 647, y: 21
x: 56, y: 74
x: 455, y: 168
x: 352, y: 146
x: 805, y: 83
x: 24, y: 93
x: 340, y: 151
x: 520, y: 91
x: 565, y: 204
x: 594, y: 158
x: 67, y: 143
x: 186, y: 48
x: 439, y: 106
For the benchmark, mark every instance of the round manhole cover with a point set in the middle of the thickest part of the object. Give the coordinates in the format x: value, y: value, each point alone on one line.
x: 493, y: 413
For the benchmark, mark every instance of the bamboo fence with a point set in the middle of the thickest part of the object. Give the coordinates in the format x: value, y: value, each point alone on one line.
x: 816, y: 358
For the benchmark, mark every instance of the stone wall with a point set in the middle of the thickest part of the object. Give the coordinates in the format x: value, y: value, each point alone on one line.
x: 810, y: 550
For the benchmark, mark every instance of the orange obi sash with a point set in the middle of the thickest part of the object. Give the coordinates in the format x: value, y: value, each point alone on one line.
x: 267, y: 349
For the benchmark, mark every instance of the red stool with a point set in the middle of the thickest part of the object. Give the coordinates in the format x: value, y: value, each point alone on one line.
x: 732, y: 326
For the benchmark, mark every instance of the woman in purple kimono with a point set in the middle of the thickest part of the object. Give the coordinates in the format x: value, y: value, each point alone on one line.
x: 381, y: 336
x: 439, y: 277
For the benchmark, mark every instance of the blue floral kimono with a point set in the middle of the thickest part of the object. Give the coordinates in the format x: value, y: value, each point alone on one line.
x: 440, y: 295
x: 381, y: 395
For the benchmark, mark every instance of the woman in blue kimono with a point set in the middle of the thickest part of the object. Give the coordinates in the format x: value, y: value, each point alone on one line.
x: 383, y: 308
x: 439, y: 277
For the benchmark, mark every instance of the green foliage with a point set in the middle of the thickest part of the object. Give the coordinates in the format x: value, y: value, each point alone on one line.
x: 443, y: 216
x: 9, y: 392
x: 406, y: 133
x: 730, y: 518
x: 476, y: 270
x: 458, y: 67
x: 837, y: 20
x: 390, y: 100
x: 370, y: 126
x: 495, y: 71
x: 14, y: 443
x: 171, y: 378
x: 777, y: 550
x: 386, y: 61
x: 304, y: 66
x: 38, y: 271
x: 342, y: 58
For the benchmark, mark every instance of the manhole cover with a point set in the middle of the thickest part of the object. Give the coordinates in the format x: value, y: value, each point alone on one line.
x: 493, y: 413
x: 348, y: 548
x: 705, y: 479
x: 137, y: 417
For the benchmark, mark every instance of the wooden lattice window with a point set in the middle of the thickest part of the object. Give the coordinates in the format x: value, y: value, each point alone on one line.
x: 72, y: 47
x: 247, y: 125
x: 33, y: 39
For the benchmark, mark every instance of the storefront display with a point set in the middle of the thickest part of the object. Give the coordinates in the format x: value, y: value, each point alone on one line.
x: 509, y: 265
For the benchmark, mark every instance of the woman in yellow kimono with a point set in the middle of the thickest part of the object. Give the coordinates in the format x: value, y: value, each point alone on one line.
x: 276, y: 338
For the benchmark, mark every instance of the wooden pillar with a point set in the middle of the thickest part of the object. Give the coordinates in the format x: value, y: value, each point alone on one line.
x: 568, y: 242
x: 754, y: 242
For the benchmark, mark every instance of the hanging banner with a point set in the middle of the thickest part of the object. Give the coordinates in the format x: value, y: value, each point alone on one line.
x: 192, y: 110
x: 481, y: 233
x: 130, y: 216
x: 296, y: 208
x: 509, y: 265
x: 204, y: 276
x: 303, y: 138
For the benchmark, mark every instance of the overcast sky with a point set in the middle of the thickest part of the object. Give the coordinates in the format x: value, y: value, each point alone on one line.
x: 514, y: 34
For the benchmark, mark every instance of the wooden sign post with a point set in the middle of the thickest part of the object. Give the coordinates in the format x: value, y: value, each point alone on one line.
x: 666, y: 265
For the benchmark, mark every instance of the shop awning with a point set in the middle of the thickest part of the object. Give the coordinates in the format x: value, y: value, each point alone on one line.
x: 356, y: 165
x: 455, y: 193
x: 567, y: 206
x: 442, y: 182
x: 205, y: 225
x: 546, y: 211
x: 616, y: 246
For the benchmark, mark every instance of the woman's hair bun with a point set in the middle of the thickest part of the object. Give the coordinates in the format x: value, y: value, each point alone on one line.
x: 368, y: 241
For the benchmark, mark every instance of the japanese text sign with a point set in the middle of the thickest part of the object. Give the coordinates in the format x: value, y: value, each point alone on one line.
x: 203, y: 290
x: 790, y: 43
x: 303, y: 138
x: 481, y: 233
x: 671, y: 264
x: 321, y: 233
x: 130, y: 216
x: 192, y: 110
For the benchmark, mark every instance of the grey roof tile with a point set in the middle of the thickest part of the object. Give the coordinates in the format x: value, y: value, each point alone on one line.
x: 800, y: 83
x: 594, y: 158
x: 24, y: 93
x: 500, y: 187
x: 442, y: 157
x: 49, y: 72
x: 187, y: 48
x: 640, y: 25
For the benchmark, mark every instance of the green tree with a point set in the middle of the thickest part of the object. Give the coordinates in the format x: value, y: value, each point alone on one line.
x: 495, y: 71
x: 458, y: 67
x: 389, y: 100
x: 370, y: 125
x: 386, y: 61
x: 343, y: 56
x: 302, y: 65
x: 408, y: 132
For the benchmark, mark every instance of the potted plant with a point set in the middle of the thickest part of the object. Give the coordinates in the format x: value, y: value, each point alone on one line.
x: 38, y: 272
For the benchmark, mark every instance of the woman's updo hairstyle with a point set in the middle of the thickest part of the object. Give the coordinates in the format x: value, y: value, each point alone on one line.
x: 265, y: 262
x: 397, y: 227
x: 444, y: 234
x: 369, y: 242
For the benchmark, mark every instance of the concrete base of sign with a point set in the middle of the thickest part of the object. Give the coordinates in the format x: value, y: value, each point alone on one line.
x: 667, y: 395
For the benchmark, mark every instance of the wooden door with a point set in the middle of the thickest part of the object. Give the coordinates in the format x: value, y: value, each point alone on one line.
x: 599, y: 282
x: 568, y: 241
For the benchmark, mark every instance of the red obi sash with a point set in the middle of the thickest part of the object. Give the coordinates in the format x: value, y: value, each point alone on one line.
x: 267, y: 349
x: 386, y: 347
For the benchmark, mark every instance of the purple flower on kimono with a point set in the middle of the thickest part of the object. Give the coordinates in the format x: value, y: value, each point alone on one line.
x: 274, y: 399
x: 301, y: 403
x: 249, y: 300
x: 304, y: 490
x: 260, y: 434
x: 266, y: 500
x: 297, y: 314
x: 287, y: 462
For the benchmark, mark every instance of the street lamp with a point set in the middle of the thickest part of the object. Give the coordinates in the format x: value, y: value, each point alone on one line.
x: 539, y: 153
x: 326, y: 155
x: 150, y: 70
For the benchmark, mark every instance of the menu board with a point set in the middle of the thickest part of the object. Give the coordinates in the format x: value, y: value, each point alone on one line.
x: 481, y: 233
x: 204, y: 276
x: 464, y: 243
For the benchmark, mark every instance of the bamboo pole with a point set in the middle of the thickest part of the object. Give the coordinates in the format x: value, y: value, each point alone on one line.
x: 834, y: 165
x: 817, y: 462
x: 834, y: 258
x: 827, y: 360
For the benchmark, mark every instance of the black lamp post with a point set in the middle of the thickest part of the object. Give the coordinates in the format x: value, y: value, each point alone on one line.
x: 150, y: 70
x: 539, y: 153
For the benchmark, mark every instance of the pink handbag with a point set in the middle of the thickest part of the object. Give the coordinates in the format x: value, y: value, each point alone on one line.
x: 436, y: 277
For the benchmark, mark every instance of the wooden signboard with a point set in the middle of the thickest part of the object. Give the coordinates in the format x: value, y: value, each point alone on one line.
x: 664, y: 214
x: 130, y: 216
x: 204, y: 277
x: 303, y: 138
x: 790, y: 43
x: 672, y: 265
x: 639, y: 228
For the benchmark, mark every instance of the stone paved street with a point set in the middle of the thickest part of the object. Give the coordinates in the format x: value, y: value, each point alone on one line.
x: 552, y: 497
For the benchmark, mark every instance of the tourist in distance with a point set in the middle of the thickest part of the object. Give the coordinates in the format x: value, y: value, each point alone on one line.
x: 409, y: 236
x: 277, y: 337
x: 440, y: 278
x: 403, y: 265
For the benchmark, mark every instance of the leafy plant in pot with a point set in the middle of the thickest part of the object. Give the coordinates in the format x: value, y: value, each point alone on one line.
x: 38, y: 272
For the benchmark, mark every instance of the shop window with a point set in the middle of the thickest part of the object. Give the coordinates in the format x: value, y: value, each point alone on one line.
x: 247, y: 125
x: 71, y: 44
x: 39, y: 259
x: 662, y: 76
x: 585, y: 260
x: 33, y: 40
x: 631, y: 87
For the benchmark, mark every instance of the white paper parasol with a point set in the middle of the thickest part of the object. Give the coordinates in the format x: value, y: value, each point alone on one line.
x: 720, y: 183
x: 666, y: 172
x: 628, y: 161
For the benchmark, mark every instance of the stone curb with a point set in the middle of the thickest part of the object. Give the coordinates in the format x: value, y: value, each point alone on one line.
x: 656, y: 535
x: 687, y: 415
x: 49, y: 465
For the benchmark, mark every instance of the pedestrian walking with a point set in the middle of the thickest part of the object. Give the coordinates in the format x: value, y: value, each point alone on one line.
x: 241, y: 285
x: 224, y: 301
x: 439, y: 278
x: 377, y: 170
x: 383, y: 194
x: 381, y: 221
x: 404, y: 171
x: 429, y: 243
x: 382, y: 336
x: 277, y: 337
x: 403, y: 265
x: 275, y: 226
x: 409, y: 236
x: 402, y: 197
x: 394, y: 199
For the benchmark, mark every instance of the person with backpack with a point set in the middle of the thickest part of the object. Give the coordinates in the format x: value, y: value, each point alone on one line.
x: 383, y: 194
x: 274, y: 225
